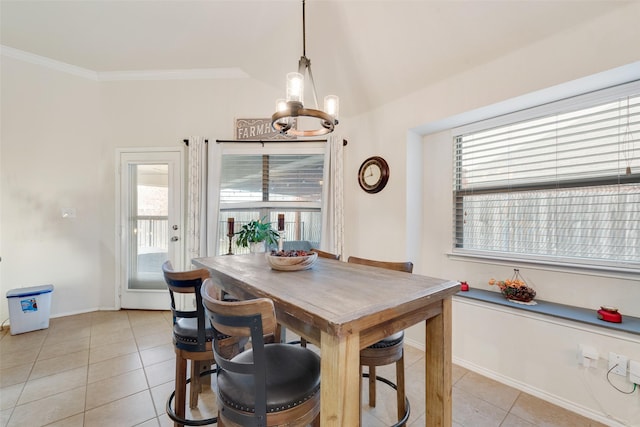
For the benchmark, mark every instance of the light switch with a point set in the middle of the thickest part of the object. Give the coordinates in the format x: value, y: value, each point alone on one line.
x: 68, y: 212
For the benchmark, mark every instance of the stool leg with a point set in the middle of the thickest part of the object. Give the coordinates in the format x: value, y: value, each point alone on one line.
x: 372, y: 386
x: 401, y: 390
x: 181, y: 387
x: 195, y: 387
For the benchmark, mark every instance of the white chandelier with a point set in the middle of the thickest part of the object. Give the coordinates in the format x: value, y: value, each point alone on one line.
x: 284, y: 120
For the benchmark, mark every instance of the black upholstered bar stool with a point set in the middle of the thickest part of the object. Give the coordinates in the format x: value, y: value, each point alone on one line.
x: 272, y: 384
x: 192, y: 339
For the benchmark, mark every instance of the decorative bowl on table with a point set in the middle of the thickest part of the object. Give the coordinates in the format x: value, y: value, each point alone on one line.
x: 291, y: 260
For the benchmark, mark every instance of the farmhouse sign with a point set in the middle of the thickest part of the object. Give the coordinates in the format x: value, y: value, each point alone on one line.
x: 256, y: 129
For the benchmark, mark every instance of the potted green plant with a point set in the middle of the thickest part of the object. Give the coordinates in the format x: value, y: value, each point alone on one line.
x: 256, y: 234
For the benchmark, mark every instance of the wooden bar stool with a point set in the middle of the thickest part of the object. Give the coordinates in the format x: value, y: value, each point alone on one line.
x: 271, y: 384
x: 386, y: 351
x: 192, y: 339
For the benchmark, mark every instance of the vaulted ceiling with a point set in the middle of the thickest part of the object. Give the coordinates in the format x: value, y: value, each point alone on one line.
x: 367, y: 52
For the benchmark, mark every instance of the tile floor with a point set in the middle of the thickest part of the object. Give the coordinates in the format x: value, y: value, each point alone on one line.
x: 117, y: 368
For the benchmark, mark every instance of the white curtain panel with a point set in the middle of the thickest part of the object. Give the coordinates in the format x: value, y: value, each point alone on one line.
x: 332, y: 203
x: 196, y: 235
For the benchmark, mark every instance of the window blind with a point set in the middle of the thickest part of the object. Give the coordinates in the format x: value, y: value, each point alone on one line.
x: 271, y: 178
x: 563, y: 186
x: 263, y: 183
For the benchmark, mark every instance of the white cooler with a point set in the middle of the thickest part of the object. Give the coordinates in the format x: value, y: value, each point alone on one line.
x: 29, y: 308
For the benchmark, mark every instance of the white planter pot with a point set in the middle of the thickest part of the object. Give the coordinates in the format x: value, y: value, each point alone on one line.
x: 257, y: 247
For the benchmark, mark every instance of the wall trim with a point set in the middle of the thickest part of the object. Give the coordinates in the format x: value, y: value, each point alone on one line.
x: 188, y: 74
x: 194, y: 74
x: 48, y: 63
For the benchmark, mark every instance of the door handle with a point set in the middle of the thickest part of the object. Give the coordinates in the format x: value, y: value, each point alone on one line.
x: 175, y: 227
x: 174, y: 239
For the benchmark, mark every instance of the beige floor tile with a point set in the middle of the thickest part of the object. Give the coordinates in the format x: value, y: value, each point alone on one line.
x: 470, y: 411
x: 139, y: 317
x: 114, y: 388
x: 28, y: 342
x: 15, y: 375
x: 151, y: 423
x: 161, y: 373
x: 160, y: 394
x: 158, y: 354
x: 48, y: 410
x: 144, y: 329
x: 207, y: 407
x: 75, y: 320
x: 5, y: 414
x: 543, y: 414
x: 108, y: 351
x: 67, y: 333
x: 515, y: 421
x: 63, y: 347
x: 110, y: 336
x: 165, y: 421
x: 488, y: 390
x: 457, y: 372
x: 54, y: 365
x: 53, y: 384
x: 129, y: 411
x: 108, y: 328
x: 411, y: 355
x: 163, y: 336
x: 114, y: 366
x: 369, y: 420
x: 17, y: 358
x: 73, y: 421
x: 9, y: 395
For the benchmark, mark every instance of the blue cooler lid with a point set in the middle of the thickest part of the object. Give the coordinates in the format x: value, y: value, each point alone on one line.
x: 27, y: 292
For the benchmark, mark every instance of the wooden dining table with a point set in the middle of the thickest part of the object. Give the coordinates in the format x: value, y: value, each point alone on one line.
x: 344, y: 307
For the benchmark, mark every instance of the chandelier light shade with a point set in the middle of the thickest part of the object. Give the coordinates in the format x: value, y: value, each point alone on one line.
x: 287, y: 110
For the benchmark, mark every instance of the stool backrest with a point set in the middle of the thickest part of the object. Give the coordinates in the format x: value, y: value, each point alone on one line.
x: 255, y: 318
x: 324, y: 254
x: 406, y: 266
x: 187, y: 282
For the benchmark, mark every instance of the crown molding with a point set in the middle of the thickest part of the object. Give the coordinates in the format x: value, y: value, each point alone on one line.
x: 192, y: 74
x: 48, y: 63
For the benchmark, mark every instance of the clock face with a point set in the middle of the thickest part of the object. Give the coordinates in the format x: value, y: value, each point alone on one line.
x: 373, y: 174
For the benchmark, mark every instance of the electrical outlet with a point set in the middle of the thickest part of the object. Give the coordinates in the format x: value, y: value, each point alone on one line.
x: 618, y: 364
x: 587, y: 356
x: 634, y: 372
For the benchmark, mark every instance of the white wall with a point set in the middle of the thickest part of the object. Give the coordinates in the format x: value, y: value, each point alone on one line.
x: 51, y: 158
x: 542, y: 360
x: 59, y: 138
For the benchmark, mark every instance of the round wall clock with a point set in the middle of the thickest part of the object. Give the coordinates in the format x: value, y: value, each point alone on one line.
x: 373, y: 174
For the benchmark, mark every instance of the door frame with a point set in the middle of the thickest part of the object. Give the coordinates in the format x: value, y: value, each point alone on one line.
x: 120, y: 230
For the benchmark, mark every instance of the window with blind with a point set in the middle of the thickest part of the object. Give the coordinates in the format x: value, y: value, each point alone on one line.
x: 560, y: 186
x: 260, y: 184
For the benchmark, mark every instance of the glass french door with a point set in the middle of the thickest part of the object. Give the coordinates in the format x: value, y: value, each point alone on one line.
x: 150, y: 228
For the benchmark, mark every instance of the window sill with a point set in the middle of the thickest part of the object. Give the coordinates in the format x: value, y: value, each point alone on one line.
x: 582, y: 315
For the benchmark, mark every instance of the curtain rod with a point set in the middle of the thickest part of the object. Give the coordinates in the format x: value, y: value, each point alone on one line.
x: 263, y: 141
x: 186, y: 142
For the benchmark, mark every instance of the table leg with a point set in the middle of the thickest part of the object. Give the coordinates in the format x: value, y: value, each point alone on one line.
x: 340, y: 381
x: 438, y: 368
